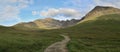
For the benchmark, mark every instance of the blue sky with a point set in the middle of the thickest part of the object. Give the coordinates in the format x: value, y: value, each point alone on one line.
x: 16, y: 11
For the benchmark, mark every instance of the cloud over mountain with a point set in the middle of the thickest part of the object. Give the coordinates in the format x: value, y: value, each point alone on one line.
x: 114, y: 3
x: 28, y: 10
x: 57, y: 13
x: 84, y: 6
x: 10, y: 9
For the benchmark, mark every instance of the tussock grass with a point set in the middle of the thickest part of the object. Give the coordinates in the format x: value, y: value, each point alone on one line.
x: 13, y: 40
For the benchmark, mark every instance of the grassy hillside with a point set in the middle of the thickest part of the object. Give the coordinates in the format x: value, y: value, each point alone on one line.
x: 13, y: 40
x: 101, y: 35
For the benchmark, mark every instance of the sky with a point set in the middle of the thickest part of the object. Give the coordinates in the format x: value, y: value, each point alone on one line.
x: 16, y: 11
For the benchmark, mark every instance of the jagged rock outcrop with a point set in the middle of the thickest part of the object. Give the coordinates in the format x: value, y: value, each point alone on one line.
x: 99, y: 11
x: 47, y: 23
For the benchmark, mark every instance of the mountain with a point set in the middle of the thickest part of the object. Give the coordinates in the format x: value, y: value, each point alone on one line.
x: 99, y: 31
x: 47, y: 23
x: 99, y: 11
x: 100, y: 35
x: 97, y: 35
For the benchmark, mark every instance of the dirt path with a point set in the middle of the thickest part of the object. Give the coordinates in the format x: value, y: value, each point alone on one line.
x: 59, y: 46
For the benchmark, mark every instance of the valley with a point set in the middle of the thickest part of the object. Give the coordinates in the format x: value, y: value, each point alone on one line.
x: 99, y: 33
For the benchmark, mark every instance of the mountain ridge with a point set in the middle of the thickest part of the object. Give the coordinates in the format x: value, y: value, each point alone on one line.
x: 47, y: 23
x: 99, y: 11
x: 50, y: 23
x: 97, y: 35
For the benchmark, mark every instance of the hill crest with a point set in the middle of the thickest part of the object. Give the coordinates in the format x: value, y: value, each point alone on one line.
x: 99, y: 11
x: 47, y: 23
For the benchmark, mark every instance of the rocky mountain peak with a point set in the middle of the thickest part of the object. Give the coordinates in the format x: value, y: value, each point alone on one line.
x: 102, y: 7
x: 47, y: 23
x: 99, y: 11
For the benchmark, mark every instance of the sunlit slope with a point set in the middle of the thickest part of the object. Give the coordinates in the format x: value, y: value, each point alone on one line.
x: 100, y: 35
x: 100, y: 11
x: 47, y: 23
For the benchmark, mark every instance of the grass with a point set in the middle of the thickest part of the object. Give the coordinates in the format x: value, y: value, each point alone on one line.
x: 102, y: 35
x: 13, y: 40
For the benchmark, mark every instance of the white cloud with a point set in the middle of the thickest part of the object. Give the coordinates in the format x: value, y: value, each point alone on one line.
x: 114, y: 3
x: 62, y: 18
x: 35, y: 12
x: 9, y: 13
x: 63, y: 12
x: 10, y: 9
x: 24, y: 3
x: 50, y: 12
x: 84, y: 6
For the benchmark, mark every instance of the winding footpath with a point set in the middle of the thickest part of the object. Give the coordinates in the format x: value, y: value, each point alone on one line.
x: 59, y: 46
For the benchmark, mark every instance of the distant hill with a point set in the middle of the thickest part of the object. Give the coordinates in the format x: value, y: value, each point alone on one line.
x: 47, y: 23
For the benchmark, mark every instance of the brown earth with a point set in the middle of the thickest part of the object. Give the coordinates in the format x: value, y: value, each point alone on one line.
x: 59, y: 46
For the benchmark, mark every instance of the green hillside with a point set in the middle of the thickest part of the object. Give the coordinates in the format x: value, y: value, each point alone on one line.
x: 100, y: 35
x: 13, y: 40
